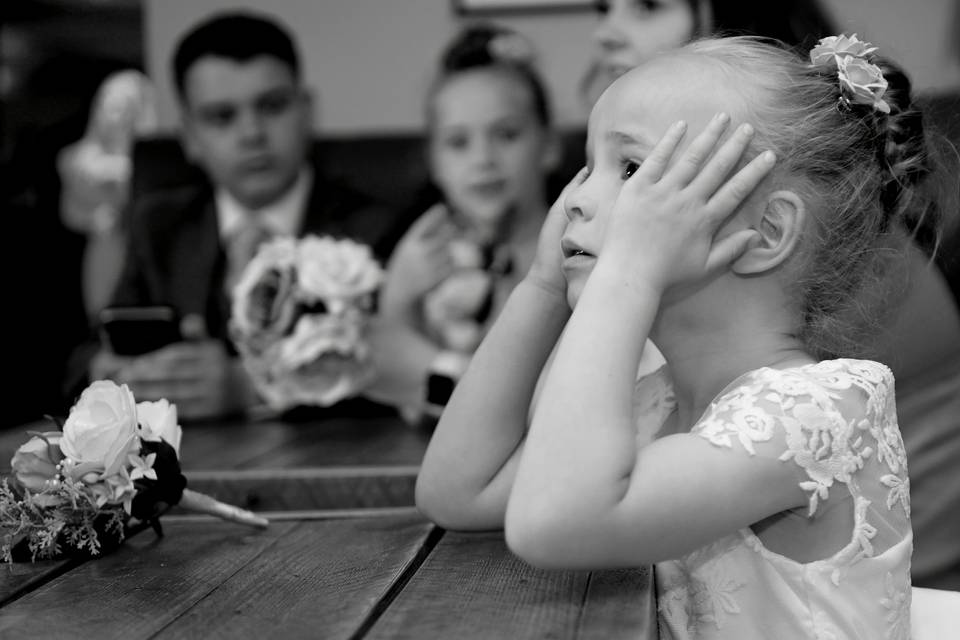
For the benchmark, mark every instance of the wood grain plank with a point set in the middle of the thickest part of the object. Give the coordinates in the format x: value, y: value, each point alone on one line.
x: 620, y: 604
x: 231, y: 444
x: 266, y: 443
x: 18, y: 578
x: 471, y: 586
x: 309, y: 488
x: 322, y: 580
x: 139, y: 589
x: 346, y: 442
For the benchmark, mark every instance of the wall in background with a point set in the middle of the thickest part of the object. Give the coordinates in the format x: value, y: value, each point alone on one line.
x: 370, y: 60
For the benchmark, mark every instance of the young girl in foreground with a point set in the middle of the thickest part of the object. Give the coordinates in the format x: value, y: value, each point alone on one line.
x: 491, y: 147
x: 774, y: 499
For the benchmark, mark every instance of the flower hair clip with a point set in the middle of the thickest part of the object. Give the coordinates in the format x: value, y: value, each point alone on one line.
x: 511, y: 47
x: 861, y: 82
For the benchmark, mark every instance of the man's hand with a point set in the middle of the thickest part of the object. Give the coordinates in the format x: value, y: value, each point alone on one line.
x: 200, y: 377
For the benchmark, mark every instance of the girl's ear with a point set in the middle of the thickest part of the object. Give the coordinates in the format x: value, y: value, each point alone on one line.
x: 783, y: 220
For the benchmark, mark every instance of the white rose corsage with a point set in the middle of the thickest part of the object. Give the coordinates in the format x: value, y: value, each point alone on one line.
x: 299, y: 319
x: 861, y: 82
x: 113, y: 467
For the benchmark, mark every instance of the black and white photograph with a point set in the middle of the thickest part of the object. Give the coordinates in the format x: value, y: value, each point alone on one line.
x: 481, y: 319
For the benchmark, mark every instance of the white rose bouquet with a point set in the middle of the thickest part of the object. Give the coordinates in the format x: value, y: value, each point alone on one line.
x: 299, y: 319
x: 79, y: 490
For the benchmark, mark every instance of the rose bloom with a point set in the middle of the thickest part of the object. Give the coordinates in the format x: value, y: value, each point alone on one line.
x: 35, y: 462
x: 325, y: 360
x: 864, y: 81
x: 830, y: 49
x: 263, y: 297
x: 332, y: 270
x: 101, y: 429
x: 158, y: 421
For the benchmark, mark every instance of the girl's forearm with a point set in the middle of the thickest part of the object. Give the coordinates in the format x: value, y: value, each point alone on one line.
x: 465, y: 477
x: 581, y: 447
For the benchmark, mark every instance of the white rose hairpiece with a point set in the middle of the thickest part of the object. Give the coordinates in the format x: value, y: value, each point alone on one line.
x: 511, y: 47
x: 861, y: 82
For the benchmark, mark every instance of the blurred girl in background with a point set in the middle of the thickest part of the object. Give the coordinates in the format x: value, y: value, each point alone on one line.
x: 490, y: 150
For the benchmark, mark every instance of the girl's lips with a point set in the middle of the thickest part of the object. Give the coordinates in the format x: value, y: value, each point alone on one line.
x: 578, y: 261
x: 571, y: 249
x: 489, y: 188
x: 615, y: 69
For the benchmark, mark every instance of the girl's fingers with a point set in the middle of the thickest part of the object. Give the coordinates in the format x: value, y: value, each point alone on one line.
x: 687, y: 168
x: 736, y: 189
x: 654, y: 165
x: 723, y: 161
x: 439, y: 239
x: 435, y: 219
x: 726, y: 250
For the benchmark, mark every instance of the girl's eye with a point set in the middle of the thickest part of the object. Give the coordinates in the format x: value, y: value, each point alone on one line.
x: 629, y: 168
x: 455, y: 142
x: 647, y: 6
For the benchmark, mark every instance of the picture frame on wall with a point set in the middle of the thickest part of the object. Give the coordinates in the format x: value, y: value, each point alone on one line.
x: 522, y: 6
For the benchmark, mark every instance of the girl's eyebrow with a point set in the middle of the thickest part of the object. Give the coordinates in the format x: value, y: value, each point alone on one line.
x: 633, y: 139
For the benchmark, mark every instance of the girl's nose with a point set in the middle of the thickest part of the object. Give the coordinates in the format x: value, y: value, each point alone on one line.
x: 576, y: 201
x: 483, y: 151
x: 607, y: 34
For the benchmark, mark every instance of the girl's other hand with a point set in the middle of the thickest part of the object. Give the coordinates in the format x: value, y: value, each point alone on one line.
x: 420, y: 262
x: 546, y: 270
x: 665, y: 221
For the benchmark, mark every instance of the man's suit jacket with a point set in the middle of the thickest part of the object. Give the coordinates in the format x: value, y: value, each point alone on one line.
x: 175, y: 256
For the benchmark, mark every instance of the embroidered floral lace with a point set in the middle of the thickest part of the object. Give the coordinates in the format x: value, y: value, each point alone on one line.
x: 836, y: 420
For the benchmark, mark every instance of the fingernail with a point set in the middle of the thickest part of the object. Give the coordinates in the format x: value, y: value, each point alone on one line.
x: 747, y: 130
x: 722, y: 117
x: 769, y: 156
x: 681, y: 124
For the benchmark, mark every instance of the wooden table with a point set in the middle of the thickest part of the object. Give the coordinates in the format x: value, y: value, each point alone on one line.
x: 346, y: 556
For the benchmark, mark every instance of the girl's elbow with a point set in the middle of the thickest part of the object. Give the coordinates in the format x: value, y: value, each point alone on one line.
x: 533, y: 540
x: 433, y: 503
x: 449, y: 510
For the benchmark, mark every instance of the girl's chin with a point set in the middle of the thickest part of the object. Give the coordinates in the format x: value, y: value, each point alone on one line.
x: 574, y: 289
x: 488, y: 213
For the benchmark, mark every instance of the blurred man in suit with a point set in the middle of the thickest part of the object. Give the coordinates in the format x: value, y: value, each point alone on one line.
x: 247, y: 121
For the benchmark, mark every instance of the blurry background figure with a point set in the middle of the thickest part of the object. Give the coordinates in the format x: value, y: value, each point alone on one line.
x: 491, y: 146
x: 247, y: 122
x: 54, y: 55
x: 632, y: 31
x: 95, y: 175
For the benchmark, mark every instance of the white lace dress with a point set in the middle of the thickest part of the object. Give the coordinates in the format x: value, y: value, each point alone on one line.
x: 837, y: 421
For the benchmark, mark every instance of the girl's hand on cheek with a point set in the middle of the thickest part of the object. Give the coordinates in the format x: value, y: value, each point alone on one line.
x: 546, y: 270
x: 420, y: 261
x: 664, y: 223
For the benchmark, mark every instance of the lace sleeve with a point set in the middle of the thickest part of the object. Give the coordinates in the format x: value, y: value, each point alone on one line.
x: 830, y: 419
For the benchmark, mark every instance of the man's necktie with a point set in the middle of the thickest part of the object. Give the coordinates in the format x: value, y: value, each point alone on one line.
x: 241, y: 246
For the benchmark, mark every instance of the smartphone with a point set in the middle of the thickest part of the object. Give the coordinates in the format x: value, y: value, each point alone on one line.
x: 133, y: 331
